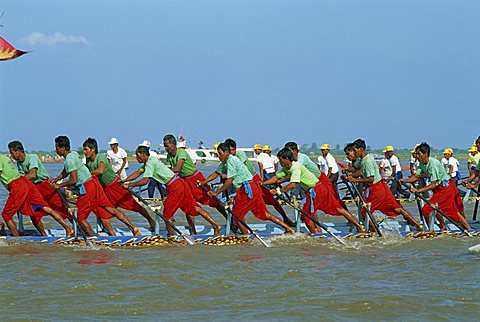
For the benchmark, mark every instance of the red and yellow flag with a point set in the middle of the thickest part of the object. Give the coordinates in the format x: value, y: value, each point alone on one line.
x: 7, y: 51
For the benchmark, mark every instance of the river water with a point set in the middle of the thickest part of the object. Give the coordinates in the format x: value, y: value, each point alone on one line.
x: 298, y: 278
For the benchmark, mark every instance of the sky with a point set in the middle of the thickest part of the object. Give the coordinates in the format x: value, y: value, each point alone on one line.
x: 391, y: 72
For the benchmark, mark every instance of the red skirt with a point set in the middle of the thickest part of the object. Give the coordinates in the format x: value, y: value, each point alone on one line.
x: 381, y: 198
x: 267, y: 196
x: 179, y: 196
x: 256, y: 204
x: 198, y: 194
x: 25, y: 198
x: 323, y: 178
x: 52, y: 198
x: 94, y: 200
x: 448, y: 200
x: 324, y: 200
x: 121, y: 197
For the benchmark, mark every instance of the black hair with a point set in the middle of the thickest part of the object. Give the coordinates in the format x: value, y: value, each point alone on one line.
x: 143, y: 150
x: 291, y: 145
x: 63, y: 142
x: 224, y: 147
x: 477, y: 140
x: 170, y: 138
x: 360, y: 144
x: 424, y: 148
x: 92, y: 144
x: 231, y: 143
x: 348, y: 147
x: 16, y: 146
x: 285, y: 153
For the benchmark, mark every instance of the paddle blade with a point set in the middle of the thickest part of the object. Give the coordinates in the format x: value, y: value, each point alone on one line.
x: 261, y: 240
x: 474, y: 249
x: 7, y: 51
x: 188, y: 240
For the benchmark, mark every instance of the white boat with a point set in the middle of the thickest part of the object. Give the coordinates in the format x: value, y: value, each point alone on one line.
x: 205, y: 155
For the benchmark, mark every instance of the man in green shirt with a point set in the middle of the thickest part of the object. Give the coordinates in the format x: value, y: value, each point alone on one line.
x: 445, y: 192
x: 179, y: 195
x: 319, y: 195
x: 120, y: 197
x: 377, y: 192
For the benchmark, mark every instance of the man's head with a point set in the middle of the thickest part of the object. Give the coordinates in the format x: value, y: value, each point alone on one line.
x: 285, y: 157
x: 359, y: 148
x: 223, y: 150
x: 170, y: 144
x: 62, y: 145
x: 17, y: 151
x: 473, y: 150
x: 113, y: 144
x: 389, y: 150
x: 267, y: 149
x: 142, y: 153
x: 422, y: 151
x: 257, y: 148
x: 293, y: 146
x: 232, y: 145
x: 90, y: 148
x: 477, y: 143
x: 325, y: 148
x: 348, y: 149
x: 447, y: 153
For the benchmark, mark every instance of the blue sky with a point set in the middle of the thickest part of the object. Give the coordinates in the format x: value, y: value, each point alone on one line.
x: 392, y: 72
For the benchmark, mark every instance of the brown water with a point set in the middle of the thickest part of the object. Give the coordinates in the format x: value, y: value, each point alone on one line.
x: 298, y: 278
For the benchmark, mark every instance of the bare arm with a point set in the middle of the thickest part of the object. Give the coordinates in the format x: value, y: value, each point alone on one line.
x: 178, y: 166
x: 225, y: 186
x: 32, y: 174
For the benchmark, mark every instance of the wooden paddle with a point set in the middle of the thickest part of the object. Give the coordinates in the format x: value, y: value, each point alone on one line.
x: 476, y: 203
x: 364, y: 205
x: 463, y: 229
x: 244, y: 224
x: 66, y: 203
x: 159, y: 214
x: 309, y: 217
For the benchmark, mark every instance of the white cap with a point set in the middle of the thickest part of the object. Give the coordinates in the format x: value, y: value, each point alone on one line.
x: 113, y: 141
x: 145, y: 143
x: 181, y: 144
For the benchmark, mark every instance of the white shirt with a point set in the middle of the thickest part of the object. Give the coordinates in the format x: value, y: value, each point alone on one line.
x: 274, y: 159
x: 327, y: 162
x: 322, y: 164
x: 415, y: 163
x: 450, y: 162
x: 266, y: 162
x: 387, y: 170
x: 395, y: 163
x: 117, y: 158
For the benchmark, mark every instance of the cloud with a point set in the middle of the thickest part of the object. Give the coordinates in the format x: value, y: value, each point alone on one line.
x: 38, y: 38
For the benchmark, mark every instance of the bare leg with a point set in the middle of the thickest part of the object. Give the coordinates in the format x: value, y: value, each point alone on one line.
x: 351, y: 220
x: 2, y: 229
x: 441, y: 220
x: 191, y: 224
x: 463, y: 221
x: 12, y: 226
x: 123, y: 218
x: 68, y: 230
x: 222, y: 210
x: 409, y: 218
x: 277, y: 221
x: 204, y: 214
x: 170, y: 230
x: 150, y: 220
x: 86, y: 228
x: 39, y: 226
x: 108, y: 226
x: 282, y: 212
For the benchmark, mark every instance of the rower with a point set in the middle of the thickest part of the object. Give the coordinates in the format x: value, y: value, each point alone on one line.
x: 473, y: 158
x: 152, y: 184
x: 91, y: 197
x: 267, y: 196
x: 268, y: 150
x: 318, y: 197
x: 450, y: 164
x: 445, y: 192
x: 181, y: 163
x: 24, y: 197
x: 377, y: 193
x: 120, y: 197
x: 31, y: 167
x: 396, y: 188
x: 329, y: 164
x: 266, y: 167
x: 179, y: 195
x: 249, y: 192
x: 117, y: 157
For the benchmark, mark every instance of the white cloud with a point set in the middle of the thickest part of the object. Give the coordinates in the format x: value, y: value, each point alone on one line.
x: 38, y: 38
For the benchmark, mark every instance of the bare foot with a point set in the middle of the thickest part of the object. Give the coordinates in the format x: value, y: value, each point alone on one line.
x: 360, y: 229
x: 216, y: 230
x: 69, y: 232
x: 136, y: 232
x: 2, y: 229
x: 288, y: 222
x: 289, y: 231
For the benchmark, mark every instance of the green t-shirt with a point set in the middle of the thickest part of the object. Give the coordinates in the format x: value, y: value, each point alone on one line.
x: 73, y: 162
x: 8, y: 173
x: 222, y: 168
x: 370, y: 168
x: 299, y: 174
x: 188, y: 166
x: 237, y: 170
x: 155, y: 169
x: 32, y: 161
x: 308, y: 163
x: 357, y: 164
x: 108, y: 175
x: 433, y: 170
x: 243, y: 157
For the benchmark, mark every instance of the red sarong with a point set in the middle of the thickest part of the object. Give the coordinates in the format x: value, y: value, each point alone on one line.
x: 179, y: 196
x: 94, y: 200
x: 198, y: 193
x: 267, y: 196
x: 447, y: 198
x: 381, y: 198
x: 324, y: 200
x: 121, y: 197
x: 323, y: 178
x: 25, y: 198
x: 256, y: 204
x: 52, y: 198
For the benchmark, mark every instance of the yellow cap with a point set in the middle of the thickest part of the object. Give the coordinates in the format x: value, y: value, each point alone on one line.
x: 473, y: 148
x: 448, y: 151
x: 325, y: 146
x: 414, y: 148
x: 267, y: 148
x: 257, y: 147
x: 389, y: 148
x: 384, y: 150
x: 215, y: 146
